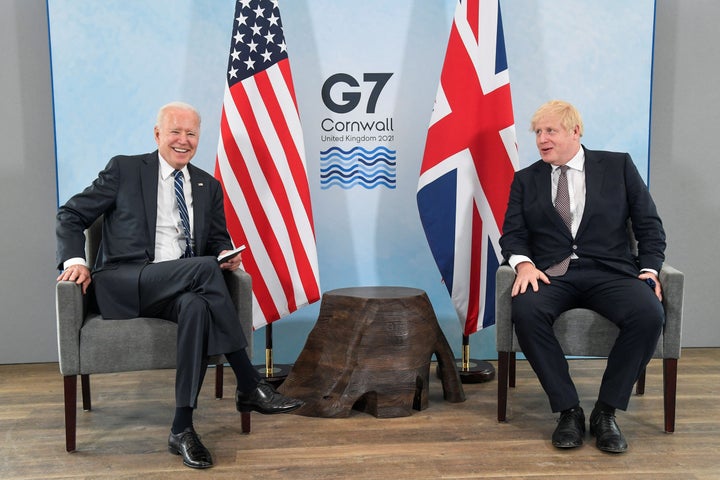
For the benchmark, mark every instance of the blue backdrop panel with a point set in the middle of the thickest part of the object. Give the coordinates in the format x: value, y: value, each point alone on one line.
x: 366, y: 73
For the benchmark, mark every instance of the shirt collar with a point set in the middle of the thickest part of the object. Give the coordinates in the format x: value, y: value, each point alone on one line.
x: 575, y: 163
x: 166, y: 170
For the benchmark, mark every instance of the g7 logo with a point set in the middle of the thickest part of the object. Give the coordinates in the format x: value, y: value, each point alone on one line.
x: 352, y: 99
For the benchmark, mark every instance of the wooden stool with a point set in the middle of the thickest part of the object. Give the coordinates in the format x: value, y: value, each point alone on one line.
x: 371, y: 349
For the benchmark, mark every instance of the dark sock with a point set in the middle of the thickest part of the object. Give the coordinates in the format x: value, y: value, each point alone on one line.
x: 576, y: 407
x: 601, y: 406
x: 247, y: 376
x: 183, y: 419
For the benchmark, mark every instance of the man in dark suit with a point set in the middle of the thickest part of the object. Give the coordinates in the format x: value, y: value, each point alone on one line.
x: 565, y: 234
x: 158, y: 258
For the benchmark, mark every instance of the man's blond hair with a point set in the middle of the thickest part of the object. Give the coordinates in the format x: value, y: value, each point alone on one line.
x: 568, y: 114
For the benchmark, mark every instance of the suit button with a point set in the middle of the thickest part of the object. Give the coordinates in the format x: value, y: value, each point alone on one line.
x: 574, y: 247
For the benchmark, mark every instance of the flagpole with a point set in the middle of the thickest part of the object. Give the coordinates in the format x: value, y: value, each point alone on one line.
x: 272, y: 372
x: 472, y: 370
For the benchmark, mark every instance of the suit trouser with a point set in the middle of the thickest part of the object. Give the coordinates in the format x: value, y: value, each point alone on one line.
x: 192, y: 293
x: 625, y: 300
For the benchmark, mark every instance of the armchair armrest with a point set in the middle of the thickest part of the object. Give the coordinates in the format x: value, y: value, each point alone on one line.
x: 673, y: 285
x: 504, y: 279
x: 70, y: 314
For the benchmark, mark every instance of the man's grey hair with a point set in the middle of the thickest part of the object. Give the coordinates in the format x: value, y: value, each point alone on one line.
x: 177, y: 104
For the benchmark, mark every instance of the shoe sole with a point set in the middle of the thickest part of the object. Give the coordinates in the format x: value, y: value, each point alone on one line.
x: 605, y: 449
x: 612, y: 450
x: 268, y: 412
x: 567, y: 445
x: 175, y: 451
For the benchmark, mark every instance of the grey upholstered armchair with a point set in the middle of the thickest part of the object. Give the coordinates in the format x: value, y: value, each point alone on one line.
x: 584, y: 332
x: 87, y: 344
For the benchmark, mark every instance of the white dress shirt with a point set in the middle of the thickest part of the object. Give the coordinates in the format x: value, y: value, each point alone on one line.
x: 169, y: 235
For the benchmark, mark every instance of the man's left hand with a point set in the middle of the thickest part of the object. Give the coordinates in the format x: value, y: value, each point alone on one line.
x: 232, y: 264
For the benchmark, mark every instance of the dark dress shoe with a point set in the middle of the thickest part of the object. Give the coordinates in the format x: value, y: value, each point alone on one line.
x: 265, y: 399
x: 570, y: 430
x: 608, y: 436
x: 188, y: 444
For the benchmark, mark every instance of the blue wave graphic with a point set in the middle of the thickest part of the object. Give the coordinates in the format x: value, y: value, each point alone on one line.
x: 349, y: 185
x: 367, y: 160
x: 366, y: 178
x: 381, y: 148
x: 358, y: 166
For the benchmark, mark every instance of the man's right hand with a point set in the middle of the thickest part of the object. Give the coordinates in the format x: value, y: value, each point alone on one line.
x: 79, y: 274
x: 527, y: 274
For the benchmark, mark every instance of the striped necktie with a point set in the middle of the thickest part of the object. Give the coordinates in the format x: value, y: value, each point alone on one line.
x: 562, y: 205
x: 182, y: 208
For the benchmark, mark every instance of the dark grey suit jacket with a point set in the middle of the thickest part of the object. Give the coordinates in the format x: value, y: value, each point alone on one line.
x: 615, y: 192
x: 125, y: 192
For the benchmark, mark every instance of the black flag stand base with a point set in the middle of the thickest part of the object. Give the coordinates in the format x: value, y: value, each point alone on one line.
x: 471, y: 370
x: 274, y: 374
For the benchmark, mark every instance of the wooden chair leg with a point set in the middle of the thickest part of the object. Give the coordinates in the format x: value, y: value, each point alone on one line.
x: 502, y: 379
x: 70, y: 394
x: 669, y: 392
x: 219, y: 369
x: 85, y: 386
x: 511, y: 369
x: 245, y: 421
x: 244, y: 416
x: 640, y: 386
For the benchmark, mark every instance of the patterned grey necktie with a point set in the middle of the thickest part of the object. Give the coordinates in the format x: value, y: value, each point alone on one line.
x: 562, y: 205
x: 182, y: 208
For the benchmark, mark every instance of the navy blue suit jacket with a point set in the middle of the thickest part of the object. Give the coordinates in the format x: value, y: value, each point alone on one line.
x: 615, y: 192
x: 125, y: 192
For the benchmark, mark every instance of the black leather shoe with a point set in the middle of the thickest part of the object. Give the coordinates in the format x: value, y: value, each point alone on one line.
x: 188, y: 444
x: 265, y: 399
x: 608, y: 436
x: 570, y: 430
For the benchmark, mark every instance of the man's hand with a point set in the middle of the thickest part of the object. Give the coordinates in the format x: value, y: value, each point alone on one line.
x: 79, y: 274
x: 645, y: 276
x: 527, y: 274
x: 232, y: 264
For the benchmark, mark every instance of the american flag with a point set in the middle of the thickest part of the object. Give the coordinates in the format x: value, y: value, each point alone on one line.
x: 261, y: 165
x: 469, y: 161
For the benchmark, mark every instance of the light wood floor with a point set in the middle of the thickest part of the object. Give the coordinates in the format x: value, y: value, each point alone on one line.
x: 125, y: 435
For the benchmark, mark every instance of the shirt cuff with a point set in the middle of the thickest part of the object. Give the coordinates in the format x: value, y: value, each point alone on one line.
x: 74, y: 261
x: 515, y: 260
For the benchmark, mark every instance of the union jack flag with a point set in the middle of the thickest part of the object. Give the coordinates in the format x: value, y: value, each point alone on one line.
x: 261, y: 165
x: 469, y: 162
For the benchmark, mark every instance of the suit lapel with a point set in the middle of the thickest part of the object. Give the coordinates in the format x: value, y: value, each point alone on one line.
x: 543, y: 183
x: 149, y: 179
x: 200, y: 198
